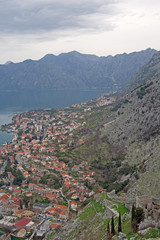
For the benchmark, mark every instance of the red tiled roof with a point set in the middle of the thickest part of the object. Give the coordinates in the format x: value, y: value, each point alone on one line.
x: 23, y: 222
x: 55, y: 225
x: 60, y: 206
x: 74, y: 203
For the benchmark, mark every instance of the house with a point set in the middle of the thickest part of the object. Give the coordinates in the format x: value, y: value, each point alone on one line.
x: 74, y: 206
x: 82, y: 198
x: 31, y: 186
x: 21, y: 233
x: 25, y: 223
x: 42, y: 148
x: 75, y: 168
x: 28, y: 194
x: 63, y: 214
x: 19, y: 213
x: 4, y: 198
x: 40, y: 206
x: 51, y: 211
x: 28, y: 213
x: 8, y: 222
x: 55, y: 226
x: 26, y: 174
x: 44, y: 228
x: 60, y: 206
x: 11, y: 158
x: 62, y: 164
x: 52, y: 196
x: 74, y: 196
x: 39, y: 189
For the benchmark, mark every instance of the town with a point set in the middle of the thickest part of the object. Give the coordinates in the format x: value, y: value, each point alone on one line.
x: 42, y: 183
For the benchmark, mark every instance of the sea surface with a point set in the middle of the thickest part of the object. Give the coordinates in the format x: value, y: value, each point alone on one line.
x: 12, y: 102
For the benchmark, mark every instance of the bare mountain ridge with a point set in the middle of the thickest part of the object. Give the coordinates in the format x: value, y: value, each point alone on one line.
x: 73, y: 71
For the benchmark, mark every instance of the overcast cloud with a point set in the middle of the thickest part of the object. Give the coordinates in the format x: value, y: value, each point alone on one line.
x: 39, y: 16
x: 33, y: 28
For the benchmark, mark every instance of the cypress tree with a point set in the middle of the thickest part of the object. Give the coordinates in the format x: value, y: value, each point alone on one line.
x: 112, y: 227
x: 139, y: 215
x: 119, y: 223
x: 21, y: 204
x: 108, y: 232
x: 133, y: 213
x: 133, y: 219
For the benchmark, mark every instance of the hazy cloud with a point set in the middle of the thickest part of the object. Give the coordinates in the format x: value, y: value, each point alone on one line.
x: 28, y: 16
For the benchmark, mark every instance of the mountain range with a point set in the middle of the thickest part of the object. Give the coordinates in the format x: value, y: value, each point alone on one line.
x: 73, y: 70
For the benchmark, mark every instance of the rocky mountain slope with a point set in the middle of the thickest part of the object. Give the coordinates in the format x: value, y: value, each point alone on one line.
x: 121, y: 141
x: 135, y: 127
x: 73, y: 71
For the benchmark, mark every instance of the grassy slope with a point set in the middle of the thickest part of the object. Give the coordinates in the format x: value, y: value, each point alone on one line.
x: 91, y: 223
x: 93, y: 220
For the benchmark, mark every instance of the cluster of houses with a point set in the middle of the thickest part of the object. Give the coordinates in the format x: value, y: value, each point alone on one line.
x: 47, y: 194
x: 105, y: 100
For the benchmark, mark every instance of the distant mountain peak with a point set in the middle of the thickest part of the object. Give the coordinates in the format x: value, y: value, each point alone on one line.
x: 8, y: 62
x: 74, y: 52
x: 48, y: 57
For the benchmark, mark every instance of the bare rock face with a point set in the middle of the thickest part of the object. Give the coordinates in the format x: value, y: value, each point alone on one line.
x: 148, y: 223
x: 144, y: 232
x: 121, y: 235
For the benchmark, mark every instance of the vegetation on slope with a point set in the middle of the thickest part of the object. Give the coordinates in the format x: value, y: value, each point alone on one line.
x: 92, y: 222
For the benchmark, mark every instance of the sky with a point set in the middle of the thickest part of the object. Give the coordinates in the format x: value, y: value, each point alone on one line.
x: 30, y: 29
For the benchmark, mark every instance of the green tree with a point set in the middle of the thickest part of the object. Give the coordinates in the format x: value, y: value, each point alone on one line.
x: 119, y: 223
x: 133, y: 213
x: 18, y: 177
x: 139, y: 215
x: 112, y: 227
x: 1, y: 183
x: 21, y: 204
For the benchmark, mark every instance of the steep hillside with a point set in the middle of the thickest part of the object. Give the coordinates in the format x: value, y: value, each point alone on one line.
x: 73, y: 71
x: 136, y: 128
x: 91, y: 223
x: 121, y: 141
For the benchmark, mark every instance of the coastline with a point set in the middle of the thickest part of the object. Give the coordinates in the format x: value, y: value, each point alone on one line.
x: 5, y: 134
x: 6, y: 137
x: 6, y: 116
